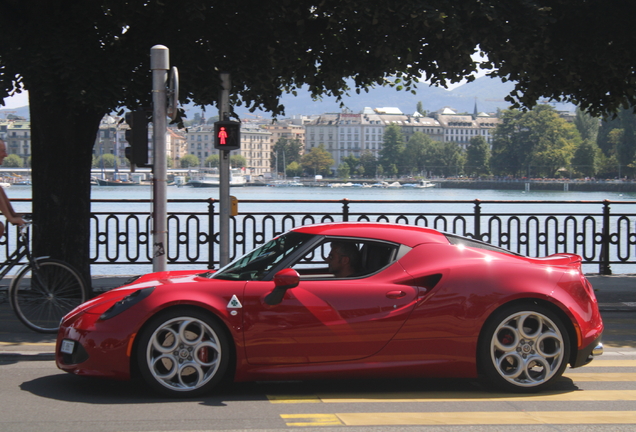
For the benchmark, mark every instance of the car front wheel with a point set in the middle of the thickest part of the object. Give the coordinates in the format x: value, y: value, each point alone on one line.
x: 524, y: 348
x: 183, y: 353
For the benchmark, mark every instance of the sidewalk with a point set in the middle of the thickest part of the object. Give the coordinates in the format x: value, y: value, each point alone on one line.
x: 18, y: 343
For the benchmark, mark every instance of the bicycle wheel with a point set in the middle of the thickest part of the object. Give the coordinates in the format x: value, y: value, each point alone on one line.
x: 40, y: 298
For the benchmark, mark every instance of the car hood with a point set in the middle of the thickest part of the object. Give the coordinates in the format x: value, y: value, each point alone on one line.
x: 160, y: 280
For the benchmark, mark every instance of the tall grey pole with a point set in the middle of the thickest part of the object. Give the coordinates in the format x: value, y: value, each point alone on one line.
x: 159, y: 64
x: 224, y: 176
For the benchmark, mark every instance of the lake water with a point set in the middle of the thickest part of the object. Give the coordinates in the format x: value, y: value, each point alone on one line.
x: 450, y: 198
x: 327, y: 193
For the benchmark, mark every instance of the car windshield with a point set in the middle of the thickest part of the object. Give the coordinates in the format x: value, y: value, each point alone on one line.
x: 257, y: 264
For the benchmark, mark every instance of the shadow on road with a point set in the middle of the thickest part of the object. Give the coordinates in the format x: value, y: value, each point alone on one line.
x: 71, y: 388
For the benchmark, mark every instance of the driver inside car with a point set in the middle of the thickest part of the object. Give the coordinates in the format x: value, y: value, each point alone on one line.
x: 344, y: 259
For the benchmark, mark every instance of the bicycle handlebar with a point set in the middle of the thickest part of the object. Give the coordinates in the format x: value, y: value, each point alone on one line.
x: 27, y: 223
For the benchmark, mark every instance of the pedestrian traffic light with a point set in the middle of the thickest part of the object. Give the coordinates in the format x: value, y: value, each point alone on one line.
x: 137, y: 137
x: 227, y: 135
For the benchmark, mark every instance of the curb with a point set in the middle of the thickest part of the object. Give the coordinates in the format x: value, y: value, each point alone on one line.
x: 17, y: 356
x: 617, y: 307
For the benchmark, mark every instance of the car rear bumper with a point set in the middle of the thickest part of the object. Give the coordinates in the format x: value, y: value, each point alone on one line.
x: 588, y: 353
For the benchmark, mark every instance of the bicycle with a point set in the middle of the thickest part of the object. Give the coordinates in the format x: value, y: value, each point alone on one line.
x: 44, y: 290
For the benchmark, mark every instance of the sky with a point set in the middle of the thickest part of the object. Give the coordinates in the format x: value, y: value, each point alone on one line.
x: 16, y: 101
x: 22, y: 99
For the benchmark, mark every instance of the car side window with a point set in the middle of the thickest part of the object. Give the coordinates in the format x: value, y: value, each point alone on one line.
x: 326, y: 259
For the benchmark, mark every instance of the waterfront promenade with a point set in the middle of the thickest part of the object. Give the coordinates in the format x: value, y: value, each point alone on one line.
x: 615, y: 293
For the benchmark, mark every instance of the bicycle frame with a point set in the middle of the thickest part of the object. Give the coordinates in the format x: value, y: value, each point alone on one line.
x: 14, y: 259
x: 22, y: 250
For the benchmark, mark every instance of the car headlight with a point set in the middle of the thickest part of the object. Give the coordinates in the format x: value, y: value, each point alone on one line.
x: 126, y: 303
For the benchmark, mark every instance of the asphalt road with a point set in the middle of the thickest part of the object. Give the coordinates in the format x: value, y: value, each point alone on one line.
x: 35, y: 396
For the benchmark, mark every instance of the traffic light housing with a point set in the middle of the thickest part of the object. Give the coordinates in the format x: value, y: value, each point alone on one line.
x: 227, y: 135
x: 137, y: 137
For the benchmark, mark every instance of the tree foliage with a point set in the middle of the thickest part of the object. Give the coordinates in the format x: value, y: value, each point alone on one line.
x: 284, y: 152
x: 416, y: 154
x: 189, y: 161
x: 211, y: 161
x: 343, y: 170
x: 317, y: 161
x: 294, y: 169
x: 587, y: 125
x: 353, y: 163
x: 238, y: 161
x: 82, y: 60
x: 107, y: 160
x: 392, y: 148
x: 13, y: 161
x: 478, y: 157
x: 586, y: 159
x: 567, y: 50
x: 368, y: 163
x: 534, y: 143
x: 447, y: 158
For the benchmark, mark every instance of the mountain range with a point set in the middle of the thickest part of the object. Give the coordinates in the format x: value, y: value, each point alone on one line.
x: 486, y: 93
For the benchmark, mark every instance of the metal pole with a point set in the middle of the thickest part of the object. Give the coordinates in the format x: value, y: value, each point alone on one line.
x: 224, y: 176
x: 604, y: 265
x: 159, y: 64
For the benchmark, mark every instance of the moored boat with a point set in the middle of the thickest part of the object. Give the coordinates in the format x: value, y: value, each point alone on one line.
x: 102, y: 182
x: 212, y: 178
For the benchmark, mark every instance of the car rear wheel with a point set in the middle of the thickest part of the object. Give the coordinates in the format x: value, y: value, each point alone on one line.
x: 524, y: 348
x: 183, y: 353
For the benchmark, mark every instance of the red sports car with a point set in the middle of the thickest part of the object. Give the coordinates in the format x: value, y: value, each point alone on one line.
x: 344, y: 300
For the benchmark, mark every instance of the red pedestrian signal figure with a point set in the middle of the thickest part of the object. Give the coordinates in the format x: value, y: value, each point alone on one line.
x: 227, y: 135
x: 222, y: 136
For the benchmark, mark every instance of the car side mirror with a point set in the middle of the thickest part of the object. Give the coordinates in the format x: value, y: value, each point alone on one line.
x: 283, y: 280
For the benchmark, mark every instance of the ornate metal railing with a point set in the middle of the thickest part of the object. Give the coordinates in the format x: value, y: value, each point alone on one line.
x: 602, y: 232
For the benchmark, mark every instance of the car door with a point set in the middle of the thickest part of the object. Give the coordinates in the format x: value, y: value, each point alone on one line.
x: 326, y: 320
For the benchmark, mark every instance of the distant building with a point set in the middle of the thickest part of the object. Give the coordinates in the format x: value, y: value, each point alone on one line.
x: 200, y: 142
x: 342, y: 134
x: 347, y: 134
x: 17, y: 136
x: 176, y: 146
x: 286, y: 129
x: 255, y: 146
x: 461, y: 128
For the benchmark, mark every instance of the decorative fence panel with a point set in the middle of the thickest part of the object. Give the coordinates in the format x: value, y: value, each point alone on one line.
x: 602, y: 232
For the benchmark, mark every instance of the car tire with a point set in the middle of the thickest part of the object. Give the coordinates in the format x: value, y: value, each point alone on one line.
x: 524, y: 348
x: 183, y: 353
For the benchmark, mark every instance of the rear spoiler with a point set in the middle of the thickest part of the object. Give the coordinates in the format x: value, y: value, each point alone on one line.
x: 560, y: 259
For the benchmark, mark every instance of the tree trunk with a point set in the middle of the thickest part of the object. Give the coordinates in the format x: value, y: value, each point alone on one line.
x: 62, y: 139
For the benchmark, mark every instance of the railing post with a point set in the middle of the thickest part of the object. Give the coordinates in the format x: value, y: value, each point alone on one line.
x: 345, y: 210
x: 604, y: 265
x: 477, y: 222
x: 211, y: 233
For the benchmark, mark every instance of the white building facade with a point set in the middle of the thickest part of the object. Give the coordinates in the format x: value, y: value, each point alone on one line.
x: 347, y: 134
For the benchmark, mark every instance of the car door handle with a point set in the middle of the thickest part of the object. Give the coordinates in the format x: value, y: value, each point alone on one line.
x: 395, y: 294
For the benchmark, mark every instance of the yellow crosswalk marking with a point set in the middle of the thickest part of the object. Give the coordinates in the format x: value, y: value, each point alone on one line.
x: 588, y: 395
x: 459, y: 396
x: 312, y: 419
x: 488, y: 418
x: 573, y: 374
x: 612, y: 363
x: 602, y: 377
x: 293, y: 398
x: 27, y: 343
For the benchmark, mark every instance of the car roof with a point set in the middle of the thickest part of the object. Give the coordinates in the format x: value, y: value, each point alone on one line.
x: 408, y: 235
